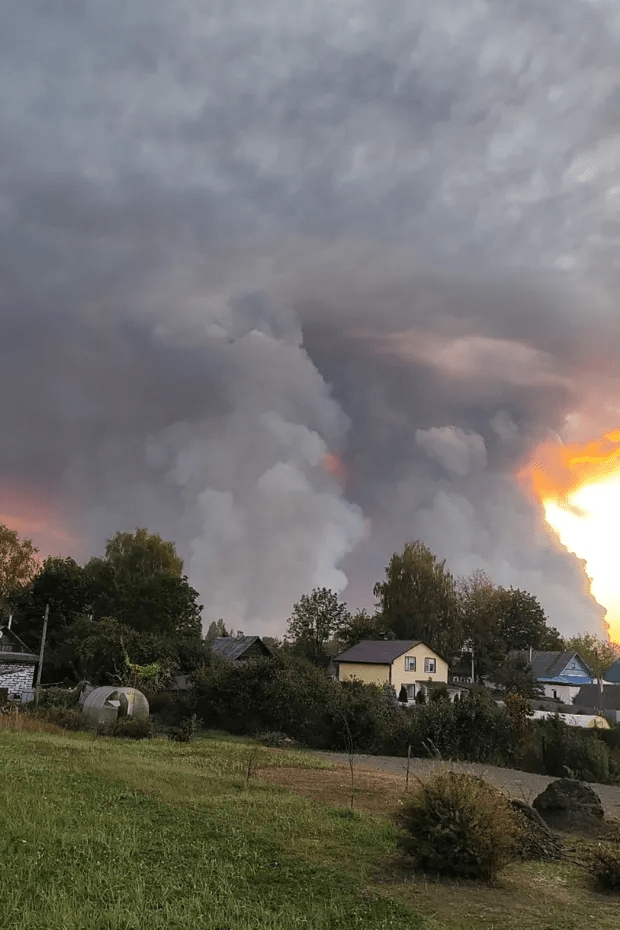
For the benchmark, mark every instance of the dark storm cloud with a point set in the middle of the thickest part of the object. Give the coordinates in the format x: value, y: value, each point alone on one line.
x: 235, y: 236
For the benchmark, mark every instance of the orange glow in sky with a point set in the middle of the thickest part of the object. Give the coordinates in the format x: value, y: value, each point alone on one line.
x: 579, y: 488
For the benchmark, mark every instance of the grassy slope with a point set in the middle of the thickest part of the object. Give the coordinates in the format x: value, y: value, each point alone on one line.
x: 110, y: 835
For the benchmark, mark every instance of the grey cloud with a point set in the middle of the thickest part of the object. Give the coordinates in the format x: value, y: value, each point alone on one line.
x: 236, y: 237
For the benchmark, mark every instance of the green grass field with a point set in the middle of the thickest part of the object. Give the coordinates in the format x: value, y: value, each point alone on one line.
x: 102, y: 834
x: 115, y: 835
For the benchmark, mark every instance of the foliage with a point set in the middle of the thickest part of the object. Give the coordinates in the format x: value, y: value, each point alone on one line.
x: 523, y: 622
x: 604, y: 866
x: 402, y: 695
x: 128, y: 728
x: 418, y: 599
x: 65, y: 717
x: 142, y: 555
x: 359, y: 626
x: 519, y: 710
x: 186, y: 732
x: 573, y: 752
x: 515, y: 675
x: 18, y: 564
x: 480, y: 607
x: 599, y: 654
x: 217, y: 628
x: 316, y: 617
x: 474, y: 729
x: 458, y: 825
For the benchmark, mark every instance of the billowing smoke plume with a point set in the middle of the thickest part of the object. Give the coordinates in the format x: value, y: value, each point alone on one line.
x: 235, y: 242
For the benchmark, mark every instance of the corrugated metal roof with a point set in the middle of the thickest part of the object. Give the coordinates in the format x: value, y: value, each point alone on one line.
x: 578, y: 680
x: 377, y: 652
x: 233, y: 647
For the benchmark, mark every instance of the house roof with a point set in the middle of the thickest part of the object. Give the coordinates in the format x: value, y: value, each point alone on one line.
x: 233, y: 647
x: 550, y: 666
x: 378, y: 652
x: 18, y: 652
x: 613, y: 674
x: 588, y: 696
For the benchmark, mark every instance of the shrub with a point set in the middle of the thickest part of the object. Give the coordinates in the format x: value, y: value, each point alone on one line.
x: 52, y: 696
x: 604, y: 865
x: 186, y: 731
x: 64, y: 717
x: 128, y: 728
x: 475, y: 730
x: 573, y: 752
x: 456, y: 824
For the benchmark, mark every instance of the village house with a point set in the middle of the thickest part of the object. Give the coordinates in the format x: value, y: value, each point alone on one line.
x: 17, y: 665
x: 561, y: 674
x: 396, y: 662
x: 239, y: 648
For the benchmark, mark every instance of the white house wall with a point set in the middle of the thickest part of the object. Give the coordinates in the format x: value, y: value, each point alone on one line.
x: 17, y: 678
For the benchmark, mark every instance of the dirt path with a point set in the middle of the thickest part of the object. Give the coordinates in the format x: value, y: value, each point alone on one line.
x: 515, y: 783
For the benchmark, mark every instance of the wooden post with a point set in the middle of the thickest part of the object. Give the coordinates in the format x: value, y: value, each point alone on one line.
x: 40, y: 668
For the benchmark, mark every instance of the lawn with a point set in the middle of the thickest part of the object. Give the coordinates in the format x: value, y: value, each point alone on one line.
x: 102, y: 834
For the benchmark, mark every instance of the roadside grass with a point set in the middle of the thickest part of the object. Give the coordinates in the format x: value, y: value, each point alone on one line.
x: 99, y: 834
x: 103, y: 834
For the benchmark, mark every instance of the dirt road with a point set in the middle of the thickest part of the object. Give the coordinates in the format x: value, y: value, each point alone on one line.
x: 515, y: 783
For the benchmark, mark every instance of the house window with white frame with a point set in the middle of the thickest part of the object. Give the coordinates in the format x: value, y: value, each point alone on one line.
x: 410, y: 663
x: 430, y: 665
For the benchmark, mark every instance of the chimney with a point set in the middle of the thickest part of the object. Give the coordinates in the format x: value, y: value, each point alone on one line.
x: 240, y: 634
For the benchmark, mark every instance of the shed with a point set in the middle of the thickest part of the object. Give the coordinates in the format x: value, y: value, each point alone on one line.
x: 106, y: 704
x: 17, y: 665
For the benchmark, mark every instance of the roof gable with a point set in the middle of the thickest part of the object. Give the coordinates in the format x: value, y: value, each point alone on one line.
x: 380, y: 652
x: 11, y: 646
x: 233, y: 647
x: 553, y: 666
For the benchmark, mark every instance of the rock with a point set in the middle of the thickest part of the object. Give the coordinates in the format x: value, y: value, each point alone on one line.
x: 572, y: 806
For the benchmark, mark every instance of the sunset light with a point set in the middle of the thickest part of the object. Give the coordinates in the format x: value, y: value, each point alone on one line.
x: 579, y: 487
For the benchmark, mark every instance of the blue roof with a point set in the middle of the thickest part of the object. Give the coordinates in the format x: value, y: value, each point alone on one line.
x: 577, y: 680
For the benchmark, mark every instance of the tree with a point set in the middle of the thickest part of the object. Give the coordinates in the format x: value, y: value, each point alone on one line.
x: 515, y: 676
x: 316, y: 617
x: 18, y: 564
x: 481, y: 610
x: 418, y: 599
x: 142, y: 554
x: 599, y: 654
x: 217, y: 628
x: 523, y: 624
x: 402, y: 695
x: 359, y: 626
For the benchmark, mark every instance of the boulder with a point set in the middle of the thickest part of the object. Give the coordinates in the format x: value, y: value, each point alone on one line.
x: 572, y: 806
x: 537, y: 840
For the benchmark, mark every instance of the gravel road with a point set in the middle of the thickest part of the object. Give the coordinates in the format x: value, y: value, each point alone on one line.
x: 515, y: 783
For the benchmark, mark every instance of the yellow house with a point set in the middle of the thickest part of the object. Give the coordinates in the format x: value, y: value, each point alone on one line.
x: 396, y: 662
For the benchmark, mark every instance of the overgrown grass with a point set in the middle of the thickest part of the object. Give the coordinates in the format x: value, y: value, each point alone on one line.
x: 97, y: 834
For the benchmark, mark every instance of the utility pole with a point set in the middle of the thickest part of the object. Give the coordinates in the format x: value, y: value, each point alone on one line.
x: 40, y: 668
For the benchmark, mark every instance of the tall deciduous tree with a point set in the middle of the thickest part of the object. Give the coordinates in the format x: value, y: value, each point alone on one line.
x: 418, y: 599
x: 142, y: 554
x: 523, y: 622
x: 315, y: 619
x: 481, y: 611
x: 18, y: 564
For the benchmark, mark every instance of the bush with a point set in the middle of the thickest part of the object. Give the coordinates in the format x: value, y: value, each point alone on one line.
x: 52, y: 696
x: 570, y: 751
x: 458, y: 825
x: 63, y: 717
x: 475, y: 730
x: 604, y: 865
x: 128, y: 728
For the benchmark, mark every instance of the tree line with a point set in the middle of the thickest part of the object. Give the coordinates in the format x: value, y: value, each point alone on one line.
x: 132, y: 616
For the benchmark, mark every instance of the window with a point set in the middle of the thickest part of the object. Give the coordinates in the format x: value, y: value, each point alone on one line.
x: 430, y: 666
x: 410, y: 663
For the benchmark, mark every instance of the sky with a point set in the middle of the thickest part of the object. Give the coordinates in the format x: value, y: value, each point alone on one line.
x: 238, y: 237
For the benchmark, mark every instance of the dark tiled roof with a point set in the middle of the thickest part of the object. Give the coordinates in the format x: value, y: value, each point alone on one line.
x: 233, y: 647
x: 613, y: 674
x: 377, y: 652
x: 588, y: 696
